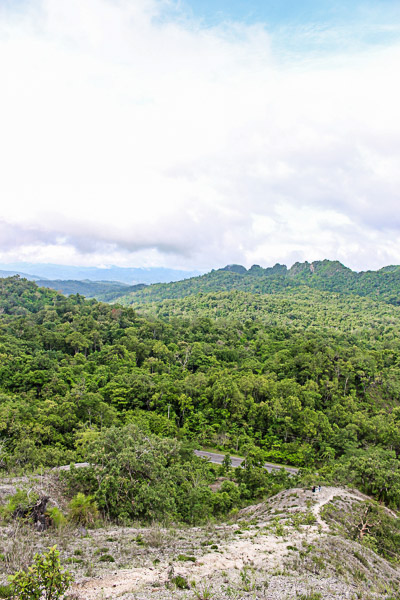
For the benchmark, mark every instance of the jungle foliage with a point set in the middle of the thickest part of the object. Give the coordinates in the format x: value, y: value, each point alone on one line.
x: 136, y: 475
x: 307, y: 378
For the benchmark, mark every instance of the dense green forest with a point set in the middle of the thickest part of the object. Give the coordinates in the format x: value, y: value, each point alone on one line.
x: 323, y: 275
x: 301, y: 377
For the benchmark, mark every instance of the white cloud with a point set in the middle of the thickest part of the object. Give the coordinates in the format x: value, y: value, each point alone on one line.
x: 131, y: 139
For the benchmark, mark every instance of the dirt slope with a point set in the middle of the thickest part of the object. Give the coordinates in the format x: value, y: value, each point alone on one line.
x: 284, y: 548
x: 279, y: 549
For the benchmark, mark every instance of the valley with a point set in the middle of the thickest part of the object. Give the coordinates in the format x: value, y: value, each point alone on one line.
x: 249, y: 378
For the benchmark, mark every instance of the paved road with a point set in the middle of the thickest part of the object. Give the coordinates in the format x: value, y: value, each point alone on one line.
x: 213, y: 457
x: 237, y: 461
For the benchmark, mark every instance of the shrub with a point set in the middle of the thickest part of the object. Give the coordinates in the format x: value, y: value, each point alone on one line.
x: 56, y: 517
x: 83, y: 510
x: 139, y: 540
x: 43, y: 579
x: 21, y: 499
x: 135, y: 475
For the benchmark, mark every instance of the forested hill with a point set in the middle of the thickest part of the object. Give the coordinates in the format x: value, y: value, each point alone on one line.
x: 322, y: 275
x: 312, y: 381
x: 299, y: 308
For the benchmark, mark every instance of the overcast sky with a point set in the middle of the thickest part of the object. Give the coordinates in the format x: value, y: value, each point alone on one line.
x: 198, y: 133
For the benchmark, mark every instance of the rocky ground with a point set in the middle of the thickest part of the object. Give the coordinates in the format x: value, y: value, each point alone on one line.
x: 284, y: 548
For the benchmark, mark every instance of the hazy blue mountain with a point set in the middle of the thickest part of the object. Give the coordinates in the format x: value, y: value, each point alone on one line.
x: 20, y: 273
x: 121, y: 274
x: 106, y: 291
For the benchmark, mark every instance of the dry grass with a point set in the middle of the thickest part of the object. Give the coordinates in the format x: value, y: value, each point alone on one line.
x: 244, y: 559
x: 19, y: 547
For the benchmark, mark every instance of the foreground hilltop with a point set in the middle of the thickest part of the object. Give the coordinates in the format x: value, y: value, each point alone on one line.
x: 324, y: 275
x: 298, y: 544
x: 334, y: 544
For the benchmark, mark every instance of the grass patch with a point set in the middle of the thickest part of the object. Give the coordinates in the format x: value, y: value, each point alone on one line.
x: 180, y: 582
x: 106, y: 558
x: 185, y: 558
x: 5, y: 591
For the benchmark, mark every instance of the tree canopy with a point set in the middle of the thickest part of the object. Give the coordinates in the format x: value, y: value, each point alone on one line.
x: 306, y: 377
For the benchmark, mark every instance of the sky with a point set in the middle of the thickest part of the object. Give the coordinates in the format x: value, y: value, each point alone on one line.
x: 192, y: 134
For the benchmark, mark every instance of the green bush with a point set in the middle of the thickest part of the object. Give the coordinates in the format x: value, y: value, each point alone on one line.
x: 137, y: 475
x: 83, y: 510
x: 21, y: 499
x: 139, y: 540
x: 56, y: 517
x: 44, y: 579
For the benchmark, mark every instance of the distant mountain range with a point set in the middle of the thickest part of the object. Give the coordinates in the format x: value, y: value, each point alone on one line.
x: 158, y: 284
x: 130, y: 276
x: 105, y: 291
x: 325, y: 275
x: 29, y: 276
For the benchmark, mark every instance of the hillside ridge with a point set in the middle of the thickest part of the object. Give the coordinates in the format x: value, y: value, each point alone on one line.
x: 324, y: 275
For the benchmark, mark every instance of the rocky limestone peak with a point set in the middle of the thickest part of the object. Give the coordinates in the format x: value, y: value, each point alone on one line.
x: 235, y: 269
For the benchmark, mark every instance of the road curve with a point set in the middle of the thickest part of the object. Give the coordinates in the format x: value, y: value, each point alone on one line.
x: 236, y: 461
